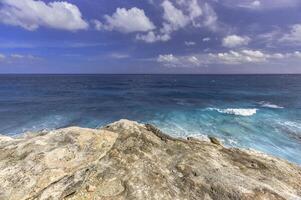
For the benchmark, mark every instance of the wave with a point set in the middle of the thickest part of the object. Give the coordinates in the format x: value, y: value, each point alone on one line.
x: 270, y: 105
x: 236, y: 111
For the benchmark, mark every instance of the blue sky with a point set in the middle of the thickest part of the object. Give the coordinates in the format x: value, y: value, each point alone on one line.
x: 150, y: 36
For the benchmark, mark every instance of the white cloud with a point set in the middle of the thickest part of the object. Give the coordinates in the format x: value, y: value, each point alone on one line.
x: 297, y: 54
x: 256, y: 4
x: 227, y: 58
x: 169, y: 60
x: 119, y: 55
x: 174, y: 17
x: 2, y: 56
x: 261, y: 4
x: 189, y: 12
x: 250, y: 56
x: 239, y: 57
x: 21, y: 56
x: 190, y: 43
x: 31, y: 14
x: 206, y: 39
x: 235, y: 41
x: 210, y: 17
x: 127, y: 21
x: 194, y: 10
x: 151, y: 37
x: 194, y: 60
x: 294, y: 35
x: 97, y: 24
x: 179, y: 15
x: 251, y: 4
x: 18, y: 58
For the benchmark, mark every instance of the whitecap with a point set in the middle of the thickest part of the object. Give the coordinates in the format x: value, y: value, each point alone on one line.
x: 237, y: 111
x: 291, y: 124
x: 270, y: 105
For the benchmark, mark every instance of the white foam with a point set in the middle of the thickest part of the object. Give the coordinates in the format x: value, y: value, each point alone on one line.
x: 270, y: 105
x: 292, y: 124
x: 237, y: 111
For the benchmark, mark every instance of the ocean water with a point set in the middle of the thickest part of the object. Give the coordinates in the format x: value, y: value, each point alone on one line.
x: 262, y: 112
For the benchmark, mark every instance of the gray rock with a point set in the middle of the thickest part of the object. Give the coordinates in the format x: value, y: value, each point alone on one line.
x: 128, y: 160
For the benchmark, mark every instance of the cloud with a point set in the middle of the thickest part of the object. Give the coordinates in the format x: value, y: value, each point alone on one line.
x: 21, y: 56
x: 190, y: 43
x: 16, y: 58
x: 169, y: 60
x: 279, y: 38
x: 47, y: 44
x: 206, y: 39
x: 194, y: 11
x: 98, y: 25
x: 249, y: 56
x: 261, y: 4
x: 126, y: 21
x: 194, y: 60
x: 178, y: 15
x: 235, y: 41
x: 2, y: 57
x: 256, y: 4
x: 151, y: 37
x: 294, y: 35
x: 241, y: 57
x: 119, y: 55
x: 210, y: 19
x: 174, y: 17
x: 31, y: 14
x: 251, y: 4
x: 297, y: 54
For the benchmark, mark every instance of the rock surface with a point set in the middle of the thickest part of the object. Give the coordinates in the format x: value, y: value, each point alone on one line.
x: 127, y: 160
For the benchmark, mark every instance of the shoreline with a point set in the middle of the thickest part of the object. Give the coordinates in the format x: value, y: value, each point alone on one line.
x: 128, y: 160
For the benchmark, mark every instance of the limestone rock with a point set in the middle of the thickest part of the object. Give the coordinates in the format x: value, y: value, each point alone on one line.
x: 128, y: 160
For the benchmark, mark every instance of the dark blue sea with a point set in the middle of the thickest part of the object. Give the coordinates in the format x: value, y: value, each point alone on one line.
x: 262, y: 112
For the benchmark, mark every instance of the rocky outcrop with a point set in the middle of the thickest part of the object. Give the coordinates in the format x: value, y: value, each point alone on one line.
x: 127, y: 160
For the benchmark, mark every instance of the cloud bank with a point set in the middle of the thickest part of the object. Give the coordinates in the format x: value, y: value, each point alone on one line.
x: 245, y: 56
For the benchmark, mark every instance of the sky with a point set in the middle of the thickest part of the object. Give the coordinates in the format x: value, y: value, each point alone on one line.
x: 150, y: 36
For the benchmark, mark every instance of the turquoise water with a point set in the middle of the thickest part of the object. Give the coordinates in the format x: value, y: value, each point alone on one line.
x: 262, y: 112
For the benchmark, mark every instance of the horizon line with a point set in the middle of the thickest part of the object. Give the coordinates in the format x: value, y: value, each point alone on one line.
x: 1, y: 74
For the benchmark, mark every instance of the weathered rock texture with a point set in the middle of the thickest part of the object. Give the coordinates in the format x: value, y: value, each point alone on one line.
x: 127, y: 160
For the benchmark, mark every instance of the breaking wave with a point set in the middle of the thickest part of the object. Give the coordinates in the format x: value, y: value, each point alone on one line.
x: 236, y: 111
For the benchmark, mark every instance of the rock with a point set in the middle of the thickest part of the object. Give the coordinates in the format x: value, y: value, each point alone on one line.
x: 110, y: 188
x: 214, y: 140
x: 128, y: 160
x: 90, y: 188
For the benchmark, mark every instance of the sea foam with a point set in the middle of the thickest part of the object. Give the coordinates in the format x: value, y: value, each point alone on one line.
x: 270, y: 105
x: 237, y: 111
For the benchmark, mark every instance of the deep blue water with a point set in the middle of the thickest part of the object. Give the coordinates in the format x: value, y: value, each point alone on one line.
x: 262, y: 112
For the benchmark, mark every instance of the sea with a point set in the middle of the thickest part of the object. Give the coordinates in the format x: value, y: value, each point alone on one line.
x: 260, y: 112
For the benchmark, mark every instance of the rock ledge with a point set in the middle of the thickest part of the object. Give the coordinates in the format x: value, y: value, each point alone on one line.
x: 128, y: 160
